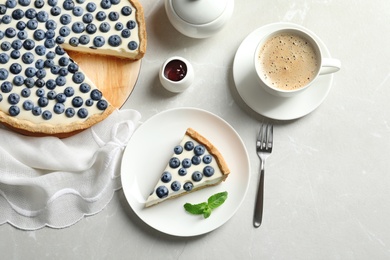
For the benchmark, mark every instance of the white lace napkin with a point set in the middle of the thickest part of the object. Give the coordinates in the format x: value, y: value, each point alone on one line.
x: 55, y: 182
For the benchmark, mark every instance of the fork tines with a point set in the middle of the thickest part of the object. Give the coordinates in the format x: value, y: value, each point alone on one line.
x: 264, y: 139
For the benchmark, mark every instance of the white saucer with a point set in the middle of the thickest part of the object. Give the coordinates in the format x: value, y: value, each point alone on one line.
x: 266, y: 104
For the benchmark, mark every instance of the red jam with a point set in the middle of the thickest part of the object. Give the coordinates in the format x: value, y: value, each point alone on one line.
x: 175, y: 70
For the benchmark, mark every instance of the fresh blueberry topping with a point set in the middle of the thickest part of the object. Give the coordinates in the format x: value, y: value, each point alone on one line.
x: 101, y: 16
x: 104, y: 27
x: 207, y: 159
x: 4, y: 58
x: 29, y: 44
x: 60, y: 40
x: 73, y: 67
x: 114, y: 40
x: 63, y: 61
x: 70, y: 112
x: 82, y: 113
x: 5, y: 46
x: 78, y: 77
x: 91, y: 7
x: 186, y: 163
x: 43, y: 101
x: 84, y: 39
x: 30, y: 72
x: 10, y: 32
x: 188, y: 186
x: 46, y: 115
x: 105, y: 4
x: 13, y: 98
x: 96, y: 94
x: 51, y: 25
x: 189, y: 145
x: 61, y: 97
x: 40, y: 74
x: 29, y: 82
x: 178, y: 149
x: 78, y: 27
x: 166, y: 177
x: 18, y: 80
x: 175, y: 186
x: 22, y: 35
x: 28, y: 105
x: 26, y: 92
x: 74, y: 41
x: 131, y: 24
x: 182, y: 172
x: 132, y: 45
x: 89, y: 102
x: 126, y: 33
x: 87, y: 18
x: 208, y: 171
x: 15, y: 68
x: 174, y: 162
x: 50, y: 43
x: 20, y: 25
x: 6, y: 19
x: 196, y: 160
x: 40, y: 50
x: 162, y: 192
x: 197, y: 176
x: 17, y: 14
x: 59, y: 50
x: 32, y: 24
x: 68, y: 5
x: 91, y: 28
x: 199, y: 150
x: 15, y: 54
x: 102, y: 104
x: 65, y: 19
x: 51, y: 94
x: 42, y: 16
x: 77, y: 101
x: 85, y: 88
x: 28, y: 58
x: 63, y: 72
x: 126, y: 10
x: 10, y: 3
x: 59, y: 108
x: 113, y: 16
x: 36, y: 111
x: 77, y: 11
x: 3, y: 74
x: 52, y: 2
x: 14, y: 110
x: 40, y: 83
x: 55, y: 10
x: 40, y: 92
x: 98, y: 41
x: 119, y: 26
x: 31, y: 13
x: 6, y: 87
x: 17, y: 44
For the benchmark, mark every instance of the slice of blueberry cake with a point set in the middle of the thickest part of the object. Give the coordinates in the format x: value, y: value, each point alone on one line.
x: 42, y: 90
x: 194, y: 165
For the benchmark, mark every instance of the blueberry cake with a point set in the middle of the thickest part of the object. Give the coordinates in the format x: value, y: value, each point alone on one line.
x: 42, y: 90
x: 195, y: 164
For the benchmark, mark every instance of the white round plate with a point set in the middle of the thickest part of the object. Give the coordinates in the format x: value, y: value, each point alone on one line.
x: 261, y: 101
x: 147, y: 154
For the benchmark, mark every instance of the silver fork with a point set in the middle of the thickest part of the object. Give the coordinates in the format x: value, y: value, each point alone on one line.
x: 264, y: 145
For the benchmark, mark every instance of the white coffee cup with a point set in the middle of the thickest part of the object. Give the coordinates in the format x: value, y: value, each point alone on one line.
x: 287, y: 62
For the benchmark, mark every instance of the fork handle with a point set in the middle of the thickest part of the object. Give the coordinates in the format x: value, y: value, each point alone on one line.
x: 258, y: 216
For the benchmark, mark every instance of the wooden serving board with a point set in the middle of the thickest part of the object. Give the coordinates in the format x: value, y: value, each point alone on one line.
x: 115, y: 77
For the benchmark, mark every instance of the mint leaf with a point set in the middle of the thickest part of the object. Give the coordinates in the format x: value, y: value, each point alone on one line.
x: 207, y: 212
x: 195, y: 209
x: 217, y: 200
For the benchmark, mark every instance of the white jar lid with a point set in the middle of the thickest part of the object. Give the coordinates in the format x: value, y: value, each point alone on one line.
x: 199, y: 11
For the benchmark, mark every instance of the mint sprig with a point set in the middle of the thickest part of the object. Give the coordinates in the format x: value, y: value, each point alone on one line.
x: 205, y: 208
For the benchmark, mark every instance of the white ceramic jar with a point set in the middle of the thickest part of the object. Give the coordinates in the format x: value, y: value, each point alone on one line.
x: 199, y: 18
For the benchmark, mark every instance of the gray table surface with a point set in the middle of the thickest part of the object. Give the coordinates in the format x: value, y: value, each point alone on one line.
x: 327, y: 182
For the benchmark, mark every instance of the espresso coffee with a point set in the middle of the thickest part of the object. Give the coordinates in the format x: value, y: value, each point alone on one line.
x: 288, y: 61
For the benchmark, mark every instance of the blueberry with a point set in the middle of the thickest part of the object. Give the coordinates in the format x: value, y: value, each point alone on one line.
x: 59, y: 108
x: 15, y: 68
x: 24, y: 2
x: 6, y: 87
x: 126, y: 10
x: 102, y: 104
x: 64, y: 31
x: 55, y: 10
x: 101, y: 16
x: 18, y: 80
x: 199, y: 150
x: 68, y: 5
x: 51, y: 25
x: 82, y: 113
x: 51, y: 94
x: 85, y: 88
x: 78, y: 11
x: 197, y: 176
x: 32, y: 24
x: 178, y: 149
x: 98, y: 41
x: 63, y: 72
x: 196, y: 160
x: 1, y: 35
x: 113, y: 16
x: 52, y: 2
x: 61, y: 80
x: 10, y: 32
x: 39, y: 3
x: 114, y: 40
x: 39, y: 35
x: 78, y: 77
x: 104, y: 27
x: 87, y: 18
x: 96, y: 94
x: 60, y: 40
x: 40, y: 92
x: 186, y: 163
x: 39, y: 64
x: 89, y: 102
x: 29, y: 82
x: 207, y: 159
x: 22, y: 35
x: 74, y: 41
x: 50, y: 33
x: 126, y: 33
x: 4, y: 58
x: 42, y: 16
x: 119, y: 26
x: 51, y: 55
x: 5, y: 46
x: 182, y: 172
x: 166, y: 177
x: 13, y: 110
x: 59, y: 50
x: 3, y: 9
x: 78, y: 27
x: 17, y: 14
x: 17, y: 44
x: 63, y: 61
x: 80, y: 1
x: 6, y: 19
x: 91, y: 28
x: 69, y: 91
x: 208, y: 171
x: 174, y: 162
x: 46, y: 115
x: 10, y: 3
x: 36, y: 111
x: 30, y: 13
x: 51, y: 84
x: 91, y: 7
x: 15, y: 54
x: 84, y: 39
x: 77, y: 101
x: 188, y: 186
x: 70, y: 112
x: 40, y: 74
x: 50, y: 64
x: 132, y: 45
x: 175, y: 186
x: 115, y: 2
x: 131, y: 24
x: 30, y: 72
x: 40, y: 83
x: 26, y: 92
x: 189, y: 145
x: 20, y: 25
x: 162, y: 192
x: 61, y: 98
x: 13, y: 98
x: 28, y: 105
x: 28, y: 58
x: 40, y: 50
x: 29, y: 44
x: 73, y: 67
x: 65, y: 19
x: 105, y: 4
x: 43, y: 101
x: 3, y: 74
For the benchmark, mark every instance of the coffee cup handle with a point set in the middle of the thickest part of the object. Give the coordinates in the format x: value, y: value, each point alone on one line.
x: 330, y: 65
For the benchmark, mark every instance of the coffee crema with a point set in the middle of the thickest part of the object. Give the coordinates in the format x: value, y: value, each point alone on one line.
x: 288, y: 61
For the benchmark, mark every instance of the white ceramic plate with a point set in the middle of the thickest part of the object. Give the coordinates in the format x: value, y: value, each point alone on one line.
x: 147, y: 154
x: 264, y: 103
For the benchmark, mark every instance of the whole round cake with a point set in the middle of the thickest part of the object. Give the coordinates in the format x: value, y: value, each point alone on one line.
x: 42, y: 90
